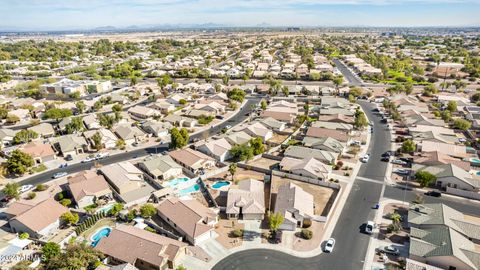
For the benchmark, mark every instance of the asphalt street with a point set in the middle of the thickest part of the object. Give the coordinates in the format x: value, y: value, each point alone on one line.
x: 351, y: 244
x: 352, y: 79
x: 238, y: 118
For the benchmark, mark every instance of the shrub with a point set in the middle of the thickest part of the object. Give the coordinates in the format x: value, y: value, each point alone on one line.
x: 66, y: 202
x: 150, y: 229
x: 41, y: 187
x: 237, y: 233
x: 307, y: 223
x: 32, y: 195
x: 340, y: 163
x: 24, y: 235
x: 306, y: 234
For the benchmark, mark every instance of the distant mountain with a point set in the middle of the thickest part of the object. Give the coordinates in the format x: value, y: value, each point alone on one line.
x: 105, y: 28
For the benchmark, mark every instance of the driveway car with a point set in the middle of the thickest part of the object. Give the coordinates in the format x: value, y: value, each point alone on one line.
x: 365, y: 158
x: 88, y: 159
x: 390, y: 250
x: 402, y: 171
x: 329, y: 245
x: 399, y: 162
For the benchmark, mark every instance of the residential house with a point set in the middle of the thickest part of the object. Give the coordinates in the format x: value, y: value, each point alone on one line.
x: 338, y: 135
x: 123, y: 176
x: 146, y: 250
x: 157, y: 129
x: 308, y: 167
x: 160, y: 167
x: 332, y: 125
x: 44, y: 130
x: 218, y: 149
x: 238, y: 138
x: 273, y: 124
x: 108, y: 139
x: 192, y: 160
x: 191, y: 219
x: 175, y: 99
x: 434, y: 158
x: 87, y: 187
x: 91, y: 121
x: 247, y: 201
x: 443, y: 247
x: 337, y: 118
x: 130, y: 134
x: 70, y: 145
x: 213, y: 107
x: 6, y: 136
x: 40, y: 152
x: 41, y: 220
x: 300, y: 152
x: 163, y: 106
x: 450, y: 175
x: 180, y: 121
x: 256, y: 129
x: 295, y: 204
x: 457, y: 151
x: 425, y: 216
x: 325, y: 143
x: 143, y: 112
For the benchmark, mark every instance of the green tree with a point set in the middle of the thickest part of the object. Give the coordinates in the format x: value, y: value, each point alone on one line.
x: 80, y: 105
x: 11, y: 189
x: 117, y: 207
x: 69, y: 218
x: 263, y: 104
x: 24, y: 136
x: 241, y: 152
x: 462, y: 124
x: 232, y: 168
x: 76, y: 125
x: 452, y: 106
x: 274, y: 221
x: 117, y: 108
x: 97, y: 106
x: 50, y: 250
x: 76, y: 256
x: 164, y: 80
x: 147, y: 210
x: 408, y: 146
x: 179, y: 138
x: 24, y: 235
x: 360, y: 120
x: 257, y: 145
x: 106, y: 120
x: 57, y: 114
x: 133, y: 80
x: 337, y: 81
x: 97, y: 141
x: 425, y: 178
x: 120, y: 144
x: 19, y: 162
x: 396, y: 217
x: 236, y: 94
x: 285, y: 91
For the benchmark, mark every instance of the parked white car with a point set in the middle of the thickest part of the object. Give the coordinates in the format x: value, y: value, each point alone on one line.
x: 59, y: 174
x: 102, y: 155
x: 88, y: 159
x: 25, y: 188
x: 365, y: 158
x: 369, y: 227
x: 329, y: 245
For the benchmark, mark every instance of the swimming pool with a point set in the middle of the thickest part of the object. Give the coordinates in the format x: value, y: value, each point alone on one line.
x: 175, y: 182
x: 220, y: 184
x: 103, y: 232
x: 478, y: 173
x: 106, y: 208
x: 189, y: 190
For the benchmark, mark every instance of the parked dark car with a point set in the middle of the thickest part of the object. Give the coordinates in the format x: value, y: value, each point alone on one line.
x: 433, y: 193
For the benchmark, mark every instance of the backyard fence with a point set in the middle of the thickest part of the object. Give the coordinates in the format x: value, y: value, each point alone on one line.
x: 89, y: 222
x: 463, y: 193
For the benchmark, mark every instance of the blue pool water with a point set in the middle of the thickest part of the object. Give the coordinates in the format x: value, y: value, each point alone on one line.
x: 478, y: 173
x: 475, y: 160
x: 220, y: 184
x: 189, y: 190
x: 104, y: 232
x: 175, y: 182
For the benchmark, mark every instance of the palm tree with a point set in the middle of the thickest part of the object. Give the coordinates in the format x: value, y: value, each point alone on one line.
x: 396, y: 217
x: 232, y: 169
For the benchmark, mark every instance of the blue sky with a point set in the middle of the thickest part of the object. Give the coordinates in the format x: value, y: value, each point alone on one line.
x: 82, y: 14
